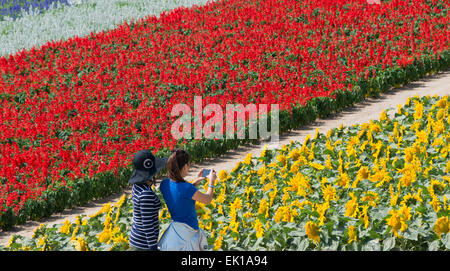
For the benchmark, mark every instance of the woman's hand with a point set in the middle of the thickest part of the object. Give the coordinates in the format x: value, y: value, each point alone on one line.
x: 199, y: 178
x: 207, y: 197
x: 212, y: 177
x: 198, y: 181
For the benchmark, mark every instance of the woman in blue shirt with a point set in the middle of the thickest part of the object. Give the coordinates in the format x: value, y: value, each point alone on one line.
x: 180, y: 195
x: 146, y: 204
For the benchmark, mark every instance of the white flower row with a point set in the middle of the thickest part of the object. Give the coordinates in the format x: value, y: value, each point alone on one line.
x: 79, y: 19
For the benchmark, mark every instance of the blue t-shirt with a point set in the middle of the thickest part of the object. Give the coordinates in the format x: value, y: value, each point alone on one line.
x: 178, y: 197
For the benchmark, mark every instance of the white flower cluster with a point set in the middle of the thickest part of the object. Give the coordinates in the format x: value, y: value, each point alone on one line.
x: 79, y: 19
x: 76, y: 2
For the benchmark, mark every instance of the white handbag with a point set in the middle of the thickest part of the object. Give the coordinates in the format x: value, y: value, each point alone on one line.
x: 182, y: 237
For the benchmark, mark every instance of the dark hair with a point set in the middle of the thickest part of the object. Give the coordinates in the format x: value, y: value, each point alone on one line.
x: 175, y: 163
x: 152, y: 181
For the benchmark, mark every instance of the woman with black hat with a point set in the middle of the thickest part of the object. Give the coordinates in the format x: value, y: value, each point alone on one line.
x: 146, y: 204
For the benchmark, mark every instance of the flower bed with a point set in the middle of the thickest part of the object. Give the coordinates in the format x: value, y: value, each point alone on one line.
x: 382, y: 185
x: 79, y: 18
x: 74, y: 112
x: 107, y: 229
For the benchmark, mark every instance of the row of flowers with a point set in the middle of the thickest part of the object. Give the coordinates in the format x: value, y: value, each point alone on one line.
x: 59, y: 21
x: 74, y: 113
x: 382, y: 185
x: 107, y: 229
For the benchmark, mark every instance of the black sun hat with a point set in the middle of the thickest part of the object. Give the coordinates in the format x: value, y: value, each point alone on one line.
x: 146, y: 165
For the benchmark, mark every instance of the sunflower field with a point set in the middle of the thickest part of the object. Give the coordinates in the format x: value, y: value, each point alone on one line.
x: 382, y: 185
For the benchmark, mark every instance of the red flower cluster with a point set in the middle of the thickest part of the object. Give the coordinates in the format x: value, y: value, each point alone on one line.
x: 72, y: 109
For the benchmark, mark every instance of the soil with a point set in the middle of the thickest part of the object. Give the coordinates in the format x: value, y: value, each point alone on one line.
x: 371, y: 108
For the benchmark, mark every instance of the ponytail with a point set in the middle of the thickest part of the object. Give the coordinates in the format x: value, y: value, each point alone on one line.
x: 175, y: 163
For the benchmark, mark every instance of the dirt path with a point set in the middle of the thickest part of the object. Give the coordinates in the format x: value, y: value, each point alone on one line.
x: 438, y: 84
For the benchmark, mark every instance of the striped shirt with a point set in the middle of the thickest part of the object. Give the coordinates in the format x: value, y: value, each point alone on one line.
x: 145, y: 227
